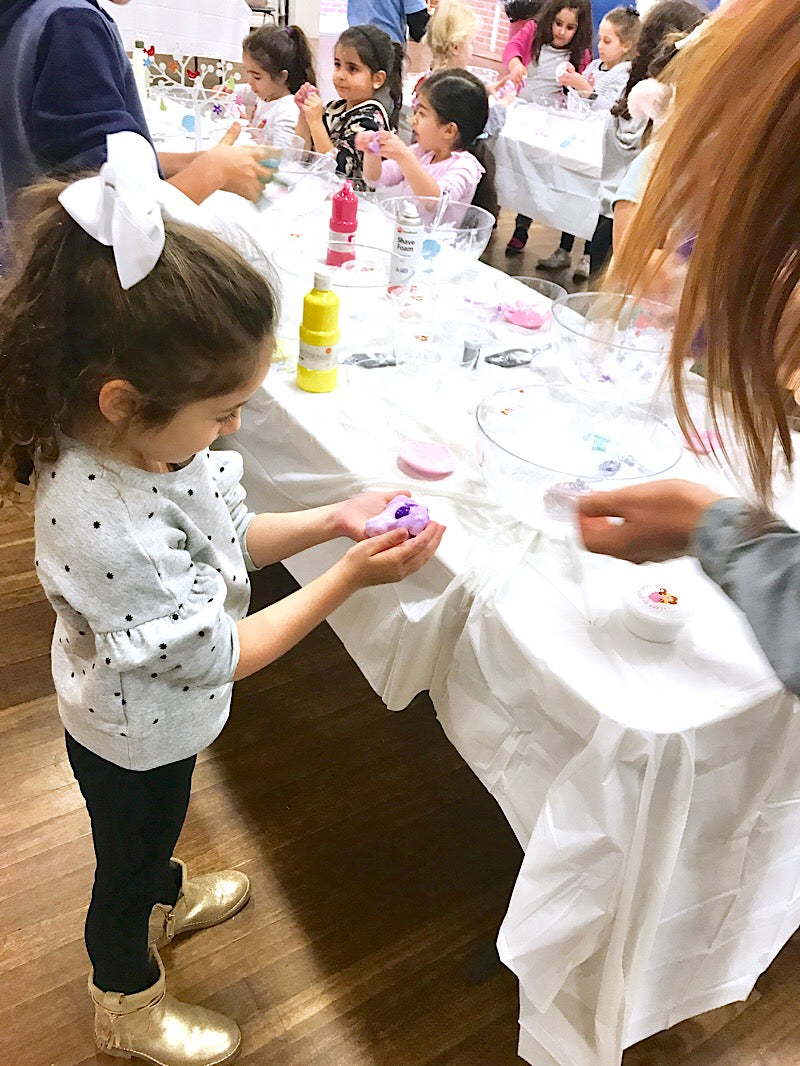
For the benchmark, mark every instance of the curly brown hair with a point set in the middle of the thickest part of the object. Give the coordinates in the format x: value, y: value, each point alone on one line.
x: 197, y: 326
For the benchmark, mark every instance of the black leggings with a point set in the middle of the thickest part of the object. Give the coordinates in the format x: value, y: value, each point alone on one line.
x: 602, y: 240
x: 136, y: 816
x: 567, y: 239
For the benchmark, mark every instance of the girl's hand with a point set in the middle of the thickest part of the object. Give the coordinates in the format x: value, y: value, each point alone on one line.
x: 391, y: 556
x: 312, y: 108
x: 572, y: 79
x: 391, y: 146
x: 658, y: 519
x: 367, y: 141
x: 505, y: 92
x: 517, y: 71
x: 350, y: 517
x: 305, y: 90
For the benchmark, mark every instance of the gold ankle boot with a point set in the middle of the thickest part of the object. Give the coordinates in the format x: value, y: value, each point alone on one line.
x: 152, y: 1025
x: 202, y: 901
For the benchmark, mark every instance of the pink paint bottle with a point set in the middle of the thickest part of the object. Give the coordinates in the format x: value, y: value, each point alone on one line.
x: 343, y: 225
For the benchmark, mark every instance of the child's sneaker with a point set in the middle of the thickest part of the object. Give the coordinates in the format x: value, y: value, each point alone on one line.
x: 516, y: 246
x: 582, y: 269
x: 556, y: 261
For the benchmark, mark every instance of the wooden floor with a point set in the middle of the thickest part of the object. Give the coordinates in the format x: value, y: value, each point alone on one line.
x: 381, y: 870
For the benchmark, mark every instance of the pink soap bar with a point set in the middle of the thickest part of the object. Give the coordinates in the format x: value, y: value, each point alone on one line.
x: 401, y: 513
x: 524, y: 315
x: 426, y: 460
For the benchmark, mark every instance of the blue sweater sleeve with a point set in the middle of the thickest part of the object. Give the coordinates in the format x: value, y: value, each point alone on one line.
x: 755, y: 558
x: 83, y: 90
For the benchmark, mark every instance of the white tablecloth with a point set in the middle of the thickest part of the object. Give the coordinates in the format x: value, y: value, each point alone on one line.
x: 655, y: 789
x: 548, y: 166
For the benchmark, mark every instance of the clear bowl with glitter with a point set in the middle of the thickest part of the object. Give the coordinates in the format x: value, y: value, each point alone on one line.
x: 361, y: 284
x: 542, y: 446
x: 449, y: 227
x: 619, y: 342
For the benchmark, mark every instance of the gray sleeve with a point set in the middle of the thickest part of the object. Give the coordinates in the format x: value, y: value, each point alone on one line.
x: 609, y: 85
x: 227, y: 471
x: 755, y: 559
x: 146, y: 601
x: 498, y: 113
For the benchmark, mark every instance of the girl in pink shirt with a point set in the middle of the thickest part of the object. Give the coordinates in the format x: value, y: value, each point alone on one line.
x: 562, y: 32
x: 449, y: 154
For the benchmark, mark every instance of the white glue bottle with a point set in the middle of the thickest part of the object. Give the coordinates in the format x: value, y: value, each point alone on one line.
x: 141, y: 75
x: 407, y: 247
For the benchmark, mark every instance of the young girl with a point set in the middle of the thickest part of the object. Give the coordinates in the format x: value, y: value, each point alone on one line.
x: 451, y: 112
x: 623, y: 139
x: 120, y: 367
x: 450, y: 35
x: 277, y: 61
x: 563, y: 32
x: 744, y: 293
x: 365, y: 62
x: 604, y: 78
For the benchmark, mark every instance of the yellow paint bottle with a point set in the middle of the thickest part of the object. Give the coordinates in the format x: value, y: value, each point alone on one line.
x: 318, y: 359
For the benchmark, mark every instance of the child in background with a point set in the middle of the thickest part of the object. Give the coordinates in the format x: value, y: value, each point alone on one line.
x: 121, y: 367
x: 562, y: 32
x: 450, y: 36
x: 277, y: 61
x: 624, y: 134
x: 604, y: 78
x: 451, y: 112
x: 365, y: 59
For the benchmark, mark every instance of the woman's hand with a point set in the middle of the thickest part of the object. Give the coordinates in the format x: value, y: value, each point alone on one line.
x: 391, y: 556
x: 658, y: 519
x: 239, y: 168
x: 349, y: 518
x: 517, y: 71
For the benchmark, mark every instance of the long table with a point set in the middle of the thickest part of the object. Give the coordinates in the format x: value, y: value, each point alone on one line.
x: 548, y: 166
x: 653, y: 788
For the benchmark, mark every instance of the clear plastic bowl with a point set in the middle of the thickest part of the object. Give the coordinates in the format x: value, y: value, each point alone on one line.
x: 544, y: 445
x: 257, y: 135
x: 364, y: 313
x: 488, y: 75
x: 575, y: 103
x: 617, y: 341
x: 460, y: 226
x: 300, y: 162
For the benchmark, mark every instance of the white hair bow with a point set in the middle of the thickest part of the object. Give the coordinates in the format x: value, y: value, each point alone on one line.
x: 124, y: 206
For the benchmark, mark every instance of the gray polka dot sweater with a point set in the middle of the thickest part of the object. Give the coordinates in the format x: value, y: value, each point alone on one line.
x: 147, y: 574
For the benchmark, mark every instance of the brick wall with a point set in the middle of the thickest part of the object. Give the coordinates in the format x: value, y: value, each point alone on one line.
x: 491, y: 38
x: 493, y: 33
